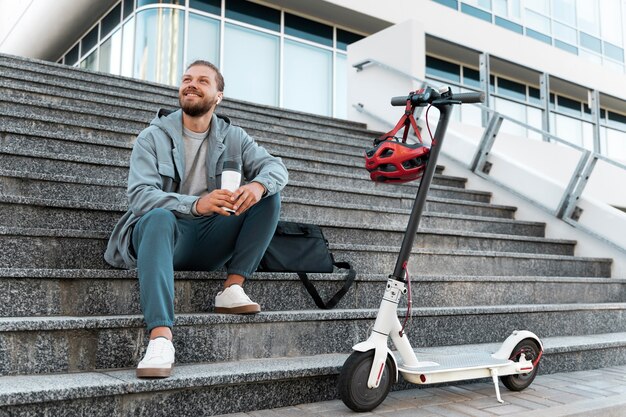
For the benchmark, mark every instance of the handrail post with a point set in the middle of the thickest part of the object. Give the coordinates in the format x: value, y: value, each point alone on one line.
x: 544, y: 94
x: 484, y: 72
x: 486, y: 143
x: 576, y: 186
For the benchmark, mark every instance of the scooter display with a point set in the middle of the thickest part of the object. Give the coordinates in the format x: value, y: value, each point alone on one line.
x: 367, y: 375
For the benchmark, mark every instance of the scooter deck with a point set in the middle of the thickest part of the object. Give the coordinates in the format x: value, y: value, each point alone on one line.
x: 431, y: 364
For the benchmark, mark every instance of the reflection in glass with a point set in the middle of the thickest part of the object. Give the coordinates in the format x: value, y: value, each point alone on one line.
x: 307, y: 75
x: 128, y: 48
x: 110, y: 54
x: 251, y: 69
x: 341, y: 86
x: 159, y: 45
x: 203, y: 39
x: 91, y: 62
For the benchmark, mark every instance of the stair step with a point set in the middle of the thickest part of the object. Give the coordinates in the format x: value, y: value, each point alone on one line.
x: 114, y: 192
x: 31, y: 212
x: 53, y: 292
x: 59, y: 248
x: 208, y: 389
x: 131, y: 91
x: 378, y: 259
x: 71, y: 343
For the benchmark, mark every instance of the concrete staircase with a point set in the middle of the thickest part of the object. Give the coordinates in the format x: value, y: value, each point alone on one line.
x: 71, y: 329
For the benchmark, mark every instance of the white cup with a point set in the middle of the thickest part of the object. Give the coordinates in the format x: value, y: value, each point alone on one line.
x: 231, y: 178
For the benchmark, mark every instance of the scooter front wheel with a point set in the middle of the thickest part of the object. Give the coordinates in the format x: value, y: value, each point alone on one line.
x: 352, y: 382
x: 530, y: 349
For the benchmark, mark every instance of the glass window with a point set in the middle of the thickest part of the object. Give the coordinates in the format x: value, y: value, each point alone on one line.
x: 567, y: 105
x: 512, y: 89
x: 203, y: 39
x: 129, y: 6
x: 443, y: 69
x: 534, y: 96
x: 568, y: 128
x: 251, y: 69
x: 72, y: 56
x: 91, y: 62
x: 483, y: 4
x: 540, y: 6
x: 89, y: 41
x: 564, y: 33
x: 345, y: 38
x: 110, y: 54
x: 158, y: 45
x: 515, y: 110
x: 590, y: 42
x: 616, y: 144
x: 471, y: 77
x: 308, y: 29
x: 209, y: 6
x: 110, y: 21
x: 450, y: 3
x: 537, y: 22
x: 564, y: 11
x: 341, y: 86
x: 566, y: 46
x: 588, y: 17
x: 613, y: 52
x: 617, y: 120
x: 501, y: 7
x: 146, y: 2
x: 534, y: 117
x: 539, y: 36
x: 307, y: 78
x: 476, y: 12
x: 254, y: 14
x: 128, y: 37
x: 507, y: 24
x: 612, y: 25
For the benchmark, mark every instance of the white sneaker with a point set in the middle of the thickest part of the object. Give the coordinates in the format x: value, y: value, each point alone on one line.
x: 233, y: 300
x: 158, y: 360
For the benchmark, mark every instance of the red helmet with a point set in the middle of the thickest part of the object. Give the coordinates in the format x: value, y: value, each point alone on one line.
x: 393, y: 161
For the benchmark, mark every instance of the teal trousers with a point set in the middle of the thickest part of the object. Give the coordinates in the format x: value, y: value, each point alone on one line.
x: 163, y: 243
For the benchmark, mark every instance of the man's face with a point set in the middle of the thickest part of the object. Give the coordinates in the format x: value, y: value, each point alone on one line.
x: 198, y: 93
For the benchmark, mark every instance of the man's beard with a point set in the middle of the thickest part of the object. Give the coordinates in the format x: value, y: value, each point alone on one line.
x: 197, y: 109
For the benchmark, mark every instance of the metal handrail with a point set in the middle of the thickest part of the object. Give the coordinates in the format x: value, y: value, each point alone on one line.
x: 566, y: 209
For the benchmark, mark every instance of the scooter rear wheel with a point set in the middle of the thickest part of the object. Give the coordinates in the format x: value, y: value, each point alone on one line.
x: 352, y: 382
x: 520, y: 382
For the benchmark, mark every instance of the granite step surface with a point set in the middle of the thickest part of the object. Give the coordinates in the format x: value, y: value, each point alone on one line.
x: 114, y: 192
x: 208, y: 389
x: 48, y: 213
x: 53, y: 292
x: 143, y: 107
x: 70, y: 248
x: 76, y: 79
x: 378, y: 259
x: 74, y: 343
x: 134, y: 120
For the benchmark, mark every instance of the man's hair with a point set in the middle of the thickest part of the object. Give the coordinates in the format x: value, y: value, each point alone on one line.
x: 218, y: 75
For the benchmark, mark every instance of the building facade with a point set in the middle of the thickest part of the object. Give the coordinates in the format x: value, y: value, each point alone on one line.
x: 293, y: 54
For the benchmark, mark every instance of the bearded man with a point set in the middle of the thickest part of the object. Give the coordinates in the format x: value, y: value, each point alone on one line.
x: 180, y: 218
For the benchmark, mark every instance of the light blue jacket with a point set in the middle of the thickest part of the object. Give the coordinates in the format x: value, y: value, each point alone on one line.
x: 157, y: 168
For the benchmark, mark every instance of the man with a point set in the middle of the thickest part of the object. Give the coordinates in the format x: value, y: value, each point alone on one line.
x: 179, y: 216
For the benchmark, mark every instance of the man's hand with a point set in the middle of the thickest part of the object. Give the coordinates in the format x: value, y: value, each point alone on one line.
x: 215, y: 202
x: 246, y: 196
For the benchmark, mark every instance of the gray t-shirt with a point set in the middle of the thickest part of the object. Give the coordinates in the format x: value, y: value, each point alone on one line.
x: 196, y: 145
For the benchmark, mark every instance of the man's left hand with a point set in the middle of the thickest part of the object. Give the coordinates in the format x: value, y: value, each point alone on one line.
x: 246, y: 196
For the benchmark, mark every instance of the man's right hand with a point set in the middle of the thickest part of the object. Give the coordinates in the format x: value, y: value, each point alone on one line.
x: 215, y: 202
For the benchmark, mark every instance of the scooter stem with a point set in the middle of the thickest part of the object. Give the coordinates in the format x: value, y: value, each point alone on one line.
x: 420, y: 198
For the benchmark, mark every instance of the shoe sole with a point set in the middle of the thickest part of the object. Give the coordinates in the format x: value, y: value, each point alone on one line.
x: 249, y: 309
x: 154, y: 372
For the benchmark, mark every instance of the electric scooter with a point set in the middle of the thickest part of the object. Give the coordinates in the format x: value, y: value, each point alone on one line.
x: 368, y: 373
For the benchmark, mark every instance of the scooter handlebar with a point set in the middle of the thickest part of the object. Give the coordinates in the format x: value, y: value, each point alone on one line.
x: 429, y: 95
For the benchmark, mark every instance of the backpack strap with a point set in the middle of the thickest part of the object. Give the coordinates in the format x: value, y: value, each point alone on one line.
x: 332, y: 302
